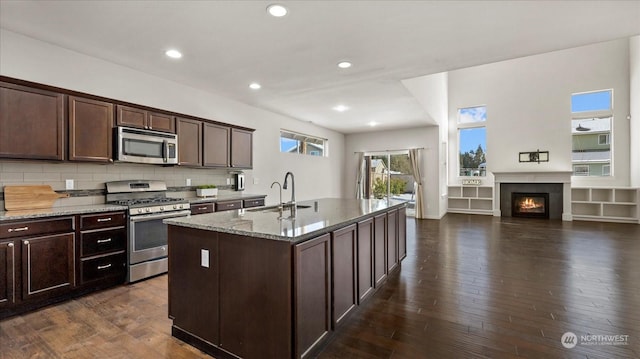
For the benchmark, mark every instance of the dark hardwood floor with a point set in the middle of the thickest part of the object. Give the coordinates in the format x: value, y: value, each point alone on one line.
x: 470, y: 287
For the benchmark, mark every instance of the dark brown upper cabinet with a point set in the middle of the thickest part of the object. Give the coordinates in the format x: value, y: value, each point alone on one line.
x: 241, y: 148
x: 90, y: 130
x: 216, y: 145
x: 137, y: 117
x: 189, y: 142
x: 31, y: 123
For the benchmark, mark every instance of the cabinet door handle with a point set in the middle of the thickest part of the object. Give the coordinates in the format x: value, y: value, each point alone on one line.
x: 26, y: 243
x: 104, y: 266
x: 104, y: 240
x: 13, y: 268
x: 104, y: 219
x: 205, y: 207
x: 25, y: 228
x: 10, y: 245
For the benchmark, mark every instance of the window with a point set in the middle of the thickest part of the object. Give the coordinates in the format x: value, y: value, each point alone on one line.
x: 591, y: 133
x: 292, y: 142
x: 603, y: 139
x: 580, y: 170
x: 472, y: 141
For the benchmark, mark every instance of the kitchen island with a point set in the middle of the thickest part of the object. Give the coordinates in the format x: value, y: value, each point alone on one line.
x: 261, y: 283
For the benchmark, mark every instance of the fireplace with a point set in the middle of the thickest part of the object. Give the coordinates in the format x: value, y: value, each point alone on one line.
x: 530, y: 205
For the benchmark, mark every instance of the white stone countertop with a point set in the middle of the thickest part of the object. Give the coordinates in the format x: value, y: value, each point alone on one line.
x: 321, y: 216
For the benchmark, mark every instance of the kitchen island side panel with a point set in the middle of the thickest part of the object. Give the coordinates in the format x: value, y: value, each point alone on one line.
x: 193, y: 288
x: 255, y: 296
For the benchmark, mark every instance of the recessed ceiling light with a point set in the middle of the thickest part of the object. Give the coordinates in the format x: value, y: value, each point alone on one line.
x: 277, y: 10
x: 255, y: 86
x: 173, y: 53
x: 372, y: 124
x: 344, y: 64
x: 341, y: 108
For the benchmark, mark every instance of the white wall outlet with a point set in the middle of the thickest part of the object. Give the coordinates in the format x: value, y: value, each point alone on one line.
x: 228, y: 181
x: 256, y: 180
x: 204, y: 258
x: 188, y: 181
x: 68, y: 184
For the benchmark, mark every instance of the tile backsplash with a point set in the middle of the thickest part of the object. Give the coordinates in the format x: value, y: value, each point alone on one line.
x: 87, y: 176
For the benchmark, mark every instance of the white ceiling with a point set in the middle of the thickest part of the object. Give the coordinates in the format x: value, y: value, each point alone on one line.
x: 228, y: 44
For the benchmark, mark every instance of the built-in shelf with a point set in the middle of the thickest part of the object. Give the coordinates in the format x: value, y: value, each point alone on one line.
x: 470, y: 199
x: 611, y: 204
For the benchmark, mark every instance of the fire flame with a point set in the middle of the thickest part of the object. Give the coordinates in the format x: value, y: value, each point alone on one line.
x: 529, y: 203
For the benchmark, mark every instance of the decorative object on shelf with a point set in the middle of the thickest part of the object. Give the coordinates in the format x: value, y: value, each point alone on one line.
x: 537, y: 156
x: 475, y: 182
x: 207, y: 190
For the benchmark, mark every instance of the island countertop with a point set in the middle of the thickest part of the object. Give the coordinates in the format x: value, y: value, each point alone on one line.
x: 320, y: 216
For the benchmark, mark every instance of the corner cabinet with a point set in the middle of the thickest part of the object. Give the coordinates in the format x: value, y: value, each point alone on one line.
x: 470, y: 199
x: 31, y: 123
x: 241, y: 148
x: 90, y: 130
x: 606, y: 204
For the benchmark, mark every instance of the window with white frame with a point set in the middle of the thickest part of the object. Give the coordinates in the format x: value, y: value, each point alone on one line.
x: 591, y: 122
x: 293, y: 142
x: 472, y: 141
x: 580, y: 170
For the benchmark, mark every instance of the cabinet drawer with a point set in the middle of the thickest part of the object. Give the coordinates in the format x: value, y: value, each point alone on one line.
x: 199, y: 208
x: 102, y: 267
x: 31, y: 228
x: 248, y: 203
x: 102, y: 220
x: 99, y: 242
x: 228, y: 205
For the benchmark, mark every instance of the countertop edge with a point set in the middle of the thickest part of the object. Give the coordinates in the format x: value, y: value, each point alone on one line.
x: 294, y: 240
x: 6, y: 216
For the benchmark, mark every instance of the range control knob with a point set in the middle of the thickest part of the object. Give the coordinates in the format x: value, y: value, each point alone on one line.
x: 147, y: 209
x: 180, y: 206
x: 139, y: 210
x: 162, y: 208
x: 176, y: 206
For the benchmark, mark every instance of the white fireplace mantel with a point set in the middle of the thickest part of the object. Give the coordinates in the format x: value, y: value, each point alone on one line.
x: 563, y: 177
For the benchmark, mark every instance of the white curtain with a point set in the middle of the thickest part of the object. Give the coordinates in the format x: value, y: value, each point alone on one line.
x: 360, y: 175
x: 414, y: 159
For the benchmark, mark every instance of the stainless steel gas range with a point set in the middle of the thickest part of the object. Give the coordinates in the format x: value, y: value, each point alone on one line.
x: 147, y: 237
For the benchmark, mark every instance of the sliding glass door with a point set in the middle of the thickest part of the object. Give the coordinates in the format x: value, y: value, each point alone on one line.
x: 389, y: 175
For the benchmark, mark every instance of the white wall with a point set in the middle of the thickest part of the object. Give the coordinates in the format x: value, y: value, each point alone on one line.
x: 528, y: 107
x: 33, y: 60
x: 433, y: 94
x: 634, y: 70
x: 427, y: 137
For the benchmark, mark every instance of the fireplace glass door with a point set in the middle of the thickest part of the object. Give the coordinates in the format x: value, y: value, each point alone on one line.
x: 530, y: 205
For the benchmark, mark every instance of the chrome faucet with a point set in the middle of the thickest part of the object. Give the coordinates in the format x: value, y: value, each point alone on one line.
x: 293, y: 192
x: 280, y: 188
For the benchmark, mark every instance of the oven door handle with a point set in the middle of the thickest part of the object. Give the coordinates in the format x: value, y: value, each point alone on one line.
x: 148, y: 217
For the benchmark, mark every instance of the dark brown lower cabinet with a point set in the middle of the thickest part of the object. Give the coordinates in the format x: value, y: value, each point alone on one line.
x: 392, y: 240
x: 9, y: 273
x: 379, y: 249
x: 312, y: 301
x: 343, y: 271
x: 402, y: 233
x: 365, y: 259
x: 48, y: 265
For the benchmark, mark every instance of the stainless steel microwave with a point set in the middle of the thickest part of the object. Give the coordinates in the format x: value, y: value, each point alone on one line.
x: 144, y: 146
